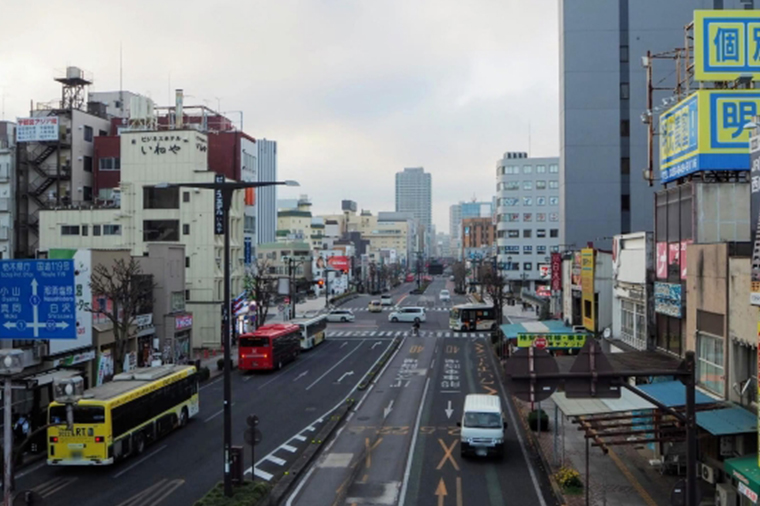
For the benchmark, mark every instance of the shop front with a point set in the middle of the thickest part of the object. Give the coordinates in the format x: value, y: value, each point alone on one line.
x: 744, y: 474
x: 177, y: 349
x: 146, y: 340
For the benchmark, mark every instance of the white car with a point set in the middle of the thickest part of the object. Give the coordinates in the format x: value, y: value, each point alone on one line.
x: 407, y: 314
x: 386, y: 300
x: 340, y: 315
x: 445, y: 296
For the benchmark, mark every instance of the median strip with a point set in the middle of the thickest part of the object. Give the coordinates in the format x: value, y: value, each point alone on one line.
x: 369, y: 377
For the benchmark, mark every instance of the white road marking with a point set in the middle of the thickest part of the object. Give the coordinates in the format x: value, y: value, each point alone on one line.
x: 276, y: 460
x: 311, y: 428
x: 407, y: 472
x: 288, y: 448
x: 263, y: 474
x: 334, y: 366
x: 135, y: 464
x: 299, y: 437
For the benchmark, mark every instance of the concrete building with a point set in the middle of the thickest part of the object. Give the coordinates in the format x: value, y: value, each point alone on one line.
x: 478, y: 234
x: 632, y: 296
x: 7, y: 188
x: 455, y: 229
x: 603, y: 143
x: 249, y: 172
x: 266, y: 198
x: 528, y: 216
x: 295, y: 224
x: 414, y: 195
x: 148, y: 214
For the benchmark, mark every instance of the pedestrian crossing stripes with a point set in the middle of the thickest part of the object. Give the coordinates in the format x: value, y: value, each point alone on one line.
x: 390, y: 308
x: 403, y: 333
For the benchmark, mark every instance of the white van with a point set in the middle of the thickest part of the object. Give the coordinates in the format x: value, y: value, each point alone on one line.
x: 483, y: 426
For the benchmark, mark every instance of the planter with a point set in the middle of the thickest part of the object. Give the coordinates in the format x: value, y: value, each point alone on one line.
x: 533, y: 420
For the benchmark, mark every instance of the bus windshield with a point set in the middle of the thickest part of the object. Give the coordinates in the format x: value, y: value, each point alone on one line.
x: 455, y: 313
x: 82, y: 414
x: 254, y: 342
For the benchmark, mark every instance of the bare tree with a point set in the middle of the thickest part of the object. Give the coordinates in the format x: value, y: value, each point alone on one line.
x: 460, y: 273
x: 261, y: 287
x: 130, y: 293
x: 495, y: 285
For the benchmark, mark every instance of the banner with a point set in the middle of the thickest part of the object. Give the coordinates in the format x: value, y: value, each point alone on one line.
x: 726, y: 45
x: 575, y: 279
x: 556, y: 272
x: 662, y: 260
x: 553, y: 341
x: 339, y: 263
x: 754, y: 154
x: 587, y: 287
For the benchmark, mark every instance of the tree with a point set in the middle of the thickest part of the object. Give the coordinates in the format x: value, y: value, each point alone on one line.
x: 459, y: 272
x: 495, y: 285
x: 123, y: 293
x: 261, y: 287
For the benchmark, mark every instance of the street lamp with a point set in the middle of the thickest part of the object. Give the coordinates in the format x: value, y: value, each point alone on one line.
x: 223, y: 201
x: 11, y: 362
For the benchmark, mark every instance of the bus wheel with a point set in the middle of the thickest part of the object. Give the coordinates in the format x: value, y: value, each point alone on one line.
x: 139, y: 443
x: 183, y: 417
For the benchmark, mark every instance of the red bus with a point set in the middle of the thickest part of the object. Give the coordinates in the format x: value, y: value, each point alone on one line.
x: 409, y: 278
x: 269, y: 347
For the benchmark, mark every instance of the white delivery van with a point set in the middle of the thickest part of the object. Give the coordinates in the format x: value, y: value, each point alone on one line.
x: 482, y: 426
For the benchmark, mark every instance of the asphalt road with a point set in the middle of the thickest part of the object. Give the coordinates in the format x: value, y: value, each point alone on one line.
x: 180, y: 468
x: 401, y: 445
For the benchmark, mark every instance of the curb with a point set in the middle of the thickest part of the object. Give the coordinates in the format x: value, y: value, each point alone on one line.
x: 370, y: 375
x: 283, y: 486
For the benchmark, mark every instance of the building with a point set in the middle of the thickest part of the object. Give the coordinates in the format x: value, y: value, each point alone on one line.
x: 7, y: 188
x: 249, y: 173
x: 632, y: 295
x: 478, y: 237
x: 455, y: 229
x: 444, y: 244
x: 148, y: 213
x: 266, y: 197
x: 414, y: 195
x: 295, y: 224
x: 528, y: 217
x: 603, y: 91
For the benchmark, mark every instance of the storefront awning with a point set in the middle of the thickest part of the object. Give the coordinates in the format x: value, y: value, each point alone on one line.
x: 628, y: 401
x: 727, y: 421
x: 746, y: 471
x: 673, y: 393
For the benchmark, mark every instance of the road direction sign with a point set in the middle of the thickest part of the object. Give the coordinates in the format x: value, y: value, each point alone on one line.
x: 540, y: 343
x: 531, y: 360
x: 37, y: 299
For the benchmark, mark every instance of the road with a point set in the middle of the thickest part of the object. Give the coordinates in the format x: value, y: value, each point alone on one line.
x: 401, y: 445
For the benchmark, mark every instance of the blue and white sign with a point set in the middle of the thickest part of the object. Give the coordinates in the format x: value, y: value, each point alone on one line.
x: 37, y: 299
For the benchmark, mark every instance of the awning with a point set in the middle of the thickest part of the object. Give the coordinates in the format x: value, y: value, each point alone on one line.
x: 48, y: 377
x: 726, y: 421
x: 746, y: 471
x: 628, y: 401
x: 673, y: 393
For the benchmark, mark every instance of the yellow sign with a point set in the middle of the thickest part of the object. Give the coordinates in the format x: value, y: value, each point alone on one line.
x: 705, y: 131
x: 588, y: 308
x: 726, y: 44
x: 553, y: 341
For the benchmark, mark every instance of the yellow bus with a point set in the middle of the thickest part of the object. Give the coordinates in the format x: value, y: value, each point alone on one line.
x: 312, y: 330
x: 122, y: 417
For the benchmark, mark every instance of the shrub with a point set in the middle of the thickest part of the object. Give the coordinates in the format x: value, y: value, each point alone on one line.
x: 220, y: 364
x: 204, y: 374
x: 533, y: 417
x: 569, y: 478
x: 248, y: 494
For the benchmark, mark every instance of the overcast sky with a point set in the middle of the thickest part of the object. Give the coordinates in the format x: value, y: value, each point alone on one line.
x: 352, y: 90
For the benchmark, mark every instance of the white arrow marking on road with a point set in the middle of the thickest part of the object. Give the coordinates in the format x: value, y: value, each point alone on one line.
x: 342, y: 345
x: 388, y: 410
x: 449, y: 411
x: 301, y: 375
x: 378, y: 343
x: 349, y: 373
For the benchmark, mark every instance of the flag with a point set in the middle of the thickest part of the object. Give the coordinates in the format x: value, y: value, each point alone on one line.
x: 238, y: 303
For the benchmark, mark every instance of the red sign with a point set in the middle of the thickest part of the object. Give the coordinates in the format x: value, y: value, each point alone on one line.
x: 339, y: 263
x: 183, y: 322
x: 683, y: 257
x: 540, y: 343
x: 662, y: 260
x: 556, y: 272
x: 674, y: 254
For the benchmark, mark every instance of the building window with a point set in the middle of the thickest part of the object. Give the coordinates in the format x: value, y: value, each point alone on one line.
x: 633, y: 324
x: 185, y: 196
x: 187, y: 295
x: 527, y: 217
x: 527, y: 201
x: 527, y: 169
x: 554, y: 232
x: 187, y: 261
x: 88, y: 133
x: 527, y: 185
x: 96, y: 230
x: 69, y: 229
x: 185, y: 229
x: 553, y: 201
x: 554, y: 168
x: 541, y: 233
x: 540, y: 169
x: 540, y: 201
x: 553, y: 216
x: 527, y: 266
x: 87, y: 163
x: 513, y: 234
x: 553, y: 185
x: 554, y: 249
x: 85, y: 230
x: 111, y: 229
x: 512, y: 185
x: 540, y: 185
x: 540, y: 216
x: 87, y: 193
x: 623, y: 54
x: 625, y: 128
x: 625, y: 165
x: 109, y: 163
x: 160, y: 230
x: 625, y: 91
x: 178, y: 302
x: 527, y: 250
x: 527, y: 233
x: 512, y: 217
x: 102, y: 133
x: 625, y: 202
x: 510, y: 202
x: 540, y: 250
x: 160, y: 198
x: 710, y: 362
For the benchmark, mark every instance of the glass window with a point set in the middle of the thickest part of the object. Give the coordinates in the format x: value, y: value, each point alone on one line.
x: 527, y: 250
x: 160, y: 230
x: 109, y: 163
x: 527, y: 233
x: 185, y: 229
x: 88, y: 133
x: 540, y: 169
x: 553, y: 185
x: 96, y: 230
x: 510, y: 202
x: 84, y: 229
x: 527, y: 185
x: 527, y: 169
x: 540, y: 201
x: 69, y: 229
x: 527, y: 201
x: 160, y: 198
x: 527, y: 217
x: 513, y: 233
x: 185, y: 196
x: 527, y: 266
x: 623, y: 53
x: 625, y: 91
x: 633, y: 324
x: 554, y: 249
x: 553, y: 216
x: 540, y: 250
x: 87, y: 163
x: 111, y: 229
x: 554, y: 168
x: 512, y: 217
x: 178, y: 301
x: 710, y: 362
x: 554, y: 232
x: 512, y: 185
x: 540, y: 185
x: 540, y: 216
x: 541, y: 233
x: 87, y: 193
x: 553, y: 201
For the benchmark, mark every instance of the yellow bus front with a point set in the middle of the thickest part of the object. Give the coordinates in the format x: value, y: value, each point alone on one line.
x: 88, y: 441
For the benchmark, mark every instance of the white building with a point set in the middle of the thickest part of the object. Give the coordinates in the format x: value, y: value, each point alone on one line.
x: 631, y: 267
x: 7, y: 188
x: 266, y: 198
x: 414, y: 195
x: 150, y: 214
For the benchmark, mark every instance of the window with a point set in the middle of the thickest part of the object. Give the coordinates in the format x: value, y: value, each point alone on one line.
x: 527, y: 266
x: 554, y: 168
x: 540, y: 250
x: 623, y: 53
x: 540, y: 185
x: 160, y: 230
x: 540, y: 169
x: 512, y: 217
x: 160, y: 198
x: 178, y: 302
x: 527, y: 201
x: 527, y: 185
x: 513, y: 233
x: 510, y: 202
x: 625, y: 91
x: 96, y: 230
x: 527, y: 250
x: 108, y: 163
x: 185, y: 229
x: 527, y: 217
x: 102, y: 133
x: 554, y: 249
x: 554, y: 232
x: 185, y: 196
x: 540, y: 201
x: 553, y: 185
x: 87, y: 193
x: 633, y: 324
x: 187, y: 261
x: 541, y: 233
x: 69, y: 229
x: 625, y: 128
x: 187, y: 295
x: 512, y: 185
x: 625, y: 165
x: 527, y: 169
x: 540, y: 216
x: 88, y: 133
x: 84, y: 230
x: 111, y: 229
x: 625, y: 202
x: 710, y: 371
x: 87, y: 163
x: 527, y: 233
x: 553, y: 201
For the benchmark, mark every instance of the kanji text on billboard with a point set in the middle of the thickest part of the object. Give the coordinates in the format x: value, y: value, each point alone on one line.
x: 726, y: 44
x: 42, y: 129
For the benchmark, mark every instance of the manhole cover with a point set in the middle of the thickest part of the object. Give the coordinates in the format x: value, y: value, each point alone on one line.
x: 362, y: 418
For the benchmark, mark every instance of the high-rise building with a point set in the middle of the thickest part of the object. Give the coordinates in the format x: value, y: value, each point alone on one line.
x: 414, y: 195
x: 266, y: 197
x: 603, y: 92
x: 528, y: 216
x: 7, y: 187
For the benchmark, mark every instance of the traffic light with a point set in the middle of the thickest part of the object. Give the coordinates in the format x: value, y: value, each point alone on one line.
x: 321, y: 283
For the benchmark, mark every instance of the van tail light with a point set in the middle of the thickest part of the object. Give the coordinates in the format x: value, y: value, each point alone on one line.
x: 99, y: 439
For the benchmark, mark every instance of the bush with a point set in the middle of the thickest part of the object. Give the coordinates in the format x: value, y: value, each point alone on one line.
x: 220, y: 364
x: 533, y: 420
x: 248, y: 494
x: 569, y: 479
x: 204, y: 374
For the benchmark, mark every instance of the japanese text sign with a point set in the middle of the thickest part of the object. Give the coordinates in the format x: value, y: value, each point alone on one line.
x: 37, y: 129
x: 219, y: 224
x: 726, y: 44
x: 553, y: 341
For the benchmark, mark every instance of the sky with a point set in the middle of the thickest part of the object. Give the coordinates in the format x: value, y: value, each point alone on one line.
x: 353, y: 91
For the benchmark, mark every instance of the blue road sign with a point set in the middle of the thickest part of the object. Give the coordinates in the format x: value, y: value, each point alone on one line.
x: 37, y: 299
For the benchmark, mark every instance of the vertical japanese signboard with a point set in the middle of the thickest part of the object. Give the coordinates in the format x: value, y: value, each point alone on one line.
x: 556, y: 272
x: 219, y: 224
x: 587, y: 289
x: 726, y: 44
x: 754, y: 153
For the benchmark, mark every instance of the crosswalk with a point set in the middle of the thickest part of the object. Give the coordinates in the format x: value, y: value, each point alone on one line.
x: 404, y: 333
x: 363, y: 309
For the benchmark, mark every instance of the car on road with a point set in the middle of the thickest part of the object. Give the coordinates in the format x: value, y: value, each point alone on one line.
x: 375, y: 306
x: 408, y: 315
x: 445, y: 296
x: 386, y: 300
x: 482, y: 426
x: 340, y: 315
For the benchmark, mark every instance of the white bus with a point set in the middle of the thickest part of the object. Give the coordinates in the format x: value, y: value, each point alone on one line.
x: 466, y: 317
x: 312, y: 330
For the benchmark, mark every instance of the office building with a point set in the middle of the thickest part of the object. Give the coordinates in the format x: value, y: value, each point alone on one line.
x: 603, y: 92
x: 528, y: 216
x: 414, y: 195
x: 266, y: 197
x: 7, y: 188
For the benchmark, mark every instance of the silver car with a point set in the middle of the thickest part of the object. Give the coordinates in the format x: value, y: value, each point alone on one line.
x: 407, y: 314
x: 340, y: 315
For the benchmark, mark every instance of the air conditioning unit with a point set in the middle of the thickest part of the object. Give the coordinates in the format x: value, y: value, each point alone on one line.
x: 725, y: 495
x: 708, y: 473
